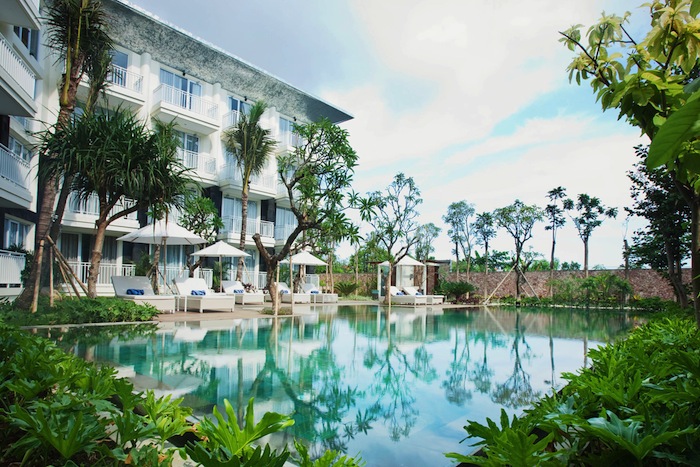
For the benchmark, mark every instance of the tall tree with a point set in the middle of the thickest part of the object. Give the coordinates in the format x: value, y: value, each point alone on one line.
x: 251, y: 146
x: 484, y: 231
x: 589, y: 215
x: 201, y: 217
x: 461, y: 231
x: 114, y: 156
x: 426, y: 235
x: 77, y: 31
x: 518, y: 219
x: 554, y: 213
x: 394, y: 223
x: 644, y: 78
x: 317, y: 176
x: 665, y: 241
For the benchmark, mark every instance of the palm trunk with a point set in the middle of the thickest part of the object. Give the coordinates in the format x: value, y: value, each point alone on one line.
x: 96, y: 257
x: 244, y: 227
x: 551, y: 265
x: 695, y: 254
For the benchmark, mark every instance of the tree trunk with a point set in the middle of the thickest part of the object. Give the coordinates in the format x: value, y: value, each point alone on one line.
x: 387, y: 285
x: 96, y: 258
x: 675, y: 276
x: 585, y: 257
x: 695, y: 254
x: 551, y: 266
x: 244, y: 227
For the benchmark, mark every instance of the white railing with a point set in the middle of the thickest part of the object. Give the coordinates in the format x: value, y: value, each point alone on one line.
x: 231, y: 119
x: 82, y: 268
x: 198, y: 161
x: 282, y: 232
x: 232, y: 226
x: 123, y: 78
x: 186, y: 100
x: 91, y: 206
x: 232, y: 173
x: 24, y: 121
x: 15, y: 67
x: 13, y: 167
x: 259, y: 279
x: 11, y: 266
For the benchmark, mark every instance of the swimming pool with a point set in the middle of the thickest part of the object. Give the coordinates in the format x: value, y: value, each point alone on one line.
x: 396, y: 388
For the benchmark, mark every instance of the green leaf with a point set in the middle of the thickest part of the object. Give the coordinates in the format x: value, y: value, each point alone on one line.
x: 695, y: 8
x: 681, y: 126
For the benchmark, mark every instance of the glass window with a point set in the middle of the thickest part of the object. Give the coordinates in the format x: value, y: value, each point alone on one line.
x: 119, y: 59
x: 69, y: 246
x: 30, y: 38
x: 19, y: 149
x: 15, y: 233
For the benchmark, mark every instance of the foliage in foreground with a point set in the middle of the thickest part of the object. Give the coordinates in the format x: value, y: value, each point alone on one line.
x: 56, y: 409
x: 638, y: 404
x: 78, y: 311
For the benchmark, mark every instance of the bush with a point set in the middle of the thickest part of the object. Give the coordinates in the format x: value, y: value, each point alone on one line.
x: 456, y: 291
x: 345, y: 288
x: 637, y: 404
x: 77, y: 311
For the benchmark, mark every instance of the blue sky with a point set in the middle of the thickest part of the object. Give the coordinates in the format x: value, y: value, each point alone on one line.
x: 470, y: 98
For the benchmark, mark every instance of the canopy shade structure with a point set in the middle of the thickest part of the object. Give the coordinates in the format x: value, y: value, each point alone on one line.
x: 162, y: 232
x: 220, y: 249
x: 307, y: 259
x: 406, y: 261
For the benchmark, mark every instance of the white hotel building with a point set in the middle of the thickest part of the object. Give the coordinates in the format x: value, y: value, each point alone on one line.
x: 159, y: 71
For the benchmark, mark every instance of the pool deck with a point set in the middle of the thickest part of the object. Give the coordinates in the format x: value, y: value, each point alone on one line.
x: 255, y: 311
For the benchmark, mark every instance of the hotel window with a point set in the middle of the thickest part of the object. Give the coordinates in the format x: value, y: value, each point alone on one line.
x: 181, y: 90
x: 19, y: 149
x: 15, y: 233
x: 30, y: 38
x: 189, y: 144
x: 120, y: 63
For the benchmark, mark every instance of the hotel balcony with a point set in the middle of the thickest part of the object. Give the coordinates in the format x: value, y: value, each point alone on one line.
x: 282, y: 232
x: 190, y: 112
x: 230, y: 177
x: 14, y: 180
x: 288, y: 141
x: 84, y: 212
x: 203, y: 166
x: 17, y: 83
x: 23, y: 13
x: 230, y: 119
x: 232, y: 230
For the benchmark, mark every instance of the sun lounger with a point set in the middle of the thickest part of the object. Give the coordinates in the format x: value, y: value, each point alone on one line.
x: 242, y: 297
x: 432, y: 299
x: 320, y: 297
x: 286, y: 294
x: 138, y: 289
x: 401, y: 298
x: 194, y: 293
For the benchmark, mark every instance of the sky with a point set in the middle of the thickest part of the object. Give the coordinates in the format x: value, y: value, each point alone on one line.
x: 470, y: 98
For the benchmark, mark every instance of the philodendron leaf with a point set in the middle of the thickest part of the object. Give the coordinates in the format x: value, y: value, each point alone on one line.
x: 694, y: 8
x: 681, y: 126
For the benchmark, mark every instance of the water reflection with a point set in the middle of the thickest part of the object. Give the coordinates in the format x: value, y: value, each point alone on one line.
x: 396, y: 386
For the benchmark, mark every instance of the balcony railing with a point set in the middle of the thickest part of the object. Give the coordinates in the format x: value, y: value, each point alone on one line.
x: 233, y: 174
x: 91, y: 206
x: 231, y: 119
x: 123, y: 78
x: 16, y: 68
x: 258, y: 279
x: 107, y: 270
x: 290, y: 139
x: 198, y: 161
x: 13, y: 168
x: 11, y: 266
x: 186, y: 100
x: 282, y: 232
x: 232, y: 226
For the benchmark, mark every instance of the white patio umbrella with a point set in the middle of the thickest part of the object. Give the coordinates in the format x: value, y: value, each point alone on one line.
x: 220, y: 249
x: 165, y: 233
x: 303, y: 258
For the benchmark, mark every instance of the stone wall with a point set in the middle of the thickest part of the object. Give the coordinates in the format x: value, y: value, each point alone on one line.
x: 645, y: 282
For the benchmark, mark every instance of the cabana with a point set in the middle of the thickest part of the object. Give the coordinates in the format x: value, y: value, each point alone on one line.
x: 404, y: 274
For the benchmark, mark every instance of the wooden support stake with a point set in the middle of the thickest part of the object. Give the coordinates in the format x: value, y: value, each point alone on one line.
x: 37, y: 281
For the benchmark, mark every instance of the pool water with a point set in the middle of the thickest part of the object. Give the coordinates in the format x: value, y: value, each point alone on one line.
x: 395, y: 388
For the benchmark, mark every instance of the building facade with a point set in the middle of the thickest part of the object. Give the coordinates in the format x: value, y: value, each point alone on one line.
x: 160, y: 72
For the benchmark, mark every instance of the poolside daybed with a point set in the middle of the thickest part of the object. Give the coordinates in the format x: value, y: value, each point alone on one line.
x: 432, y: 299
x: 286, y: 294
x: 138, y: 289
x: 194, y: 293
x: 401, y: 298
x: 320, y: 297
x: 242, y: 297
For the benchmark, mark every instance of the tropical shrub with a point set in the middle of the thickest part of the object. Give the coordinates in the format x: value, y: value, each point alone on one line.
x: 456, y: 291
x: 77, y: 311
x: 638, y: 404
x: 346, y: 288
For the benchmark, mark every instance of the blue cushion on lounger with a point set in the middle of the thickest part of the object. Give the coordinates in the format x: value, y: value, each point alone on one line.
x: 238, y: 291
x: 400, y: 293
x: 134, y: 291
x: 314, y: 291
x: 285, y: 291
x: 419, y: 293
x: 199, y: 292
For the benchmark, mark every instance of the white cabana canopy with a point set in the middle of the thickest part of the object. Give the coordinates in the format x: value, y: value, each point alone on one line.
x: 219, y: 250
x: 307, y: 259
x: 402, y: 280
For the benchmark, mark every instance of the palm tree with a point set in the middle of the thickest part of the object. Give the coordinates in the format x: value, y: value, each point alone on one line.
x: 251, y: 146
x: 77, y: 30
x: 114, y: 156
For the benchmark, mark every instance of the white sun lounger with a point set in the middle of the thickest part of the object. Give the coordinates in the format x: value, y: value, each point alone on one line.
x: 286, y: 294
x: 432, y: 299
x: 208, y: 301
x: 401, y: 298
x: 138, y: 289
x: 320, y: 297
x: 242, y: 297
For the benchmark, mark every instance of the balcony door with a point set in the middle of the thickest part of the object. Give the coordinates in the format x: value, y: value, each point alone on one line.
x: 185, y: 92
